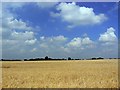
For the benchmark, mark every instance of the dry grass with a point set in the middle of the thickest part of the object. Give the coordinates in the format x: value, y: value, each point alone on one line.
x: 61, y: 74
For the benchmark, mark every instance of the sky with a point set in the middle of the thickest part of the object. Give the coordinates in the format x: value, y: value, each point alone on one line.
x: 59, y: 29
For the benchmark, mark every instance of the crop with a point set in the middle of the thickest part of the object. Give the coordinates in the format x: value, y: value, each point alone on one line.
x: 60, y: 74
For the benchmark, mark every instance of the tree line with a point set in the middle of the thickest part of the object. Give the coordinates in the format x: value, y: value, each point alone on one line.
x: 46, y: 58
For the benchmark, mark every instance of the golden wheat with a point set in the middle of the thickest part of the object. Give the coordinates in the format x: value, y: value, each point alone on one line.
x: 60, y: 74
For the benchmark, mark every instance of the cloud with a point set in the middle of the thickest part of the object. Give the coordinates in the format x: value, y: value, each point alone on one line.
x: 17, y: 44
x: 20, y: 38
x: 108, y: 37
x: 15, y: 29
x: 27, y: 37
x: 51, y: 46
x: 22, y: 35
x: 62, y: 45
x: 31, y: 42
x: 80, y: 43
x: 15, y: 24
x: 76, y: 42
x: 86, y: 41
x: 53, y: 40
x: 60, y: 38
x: 76, y: 15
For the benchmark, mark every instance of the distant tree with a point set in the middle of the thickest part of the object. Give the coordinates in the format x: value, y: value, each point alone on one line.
x: 94, y: 58
x: 46, y: 58
x: 69, y: 58
x: 100, y: 58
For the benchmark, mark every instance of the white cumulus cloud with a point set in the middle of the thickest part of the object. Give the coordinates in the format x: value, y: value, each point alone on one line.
x: 75, y: 42
x: 79, y: 42
x: 31, y: 42
x: 22, y: 35
x: 76, y: 15
x: 108, y: 37
x: 59, y: 38
x: 13, y: 24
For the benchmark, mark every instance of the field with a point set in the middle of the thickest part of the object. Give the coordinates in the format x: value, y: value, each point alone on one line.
x: 60, y: 74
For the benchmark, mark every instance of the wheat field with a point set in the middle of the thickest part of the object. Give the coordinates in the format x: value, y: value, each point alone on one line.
x: 60, y: 74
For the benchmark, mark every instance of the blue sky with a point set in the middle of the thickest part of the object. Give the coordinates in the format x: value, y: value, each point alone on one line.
x: 75, y: 29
